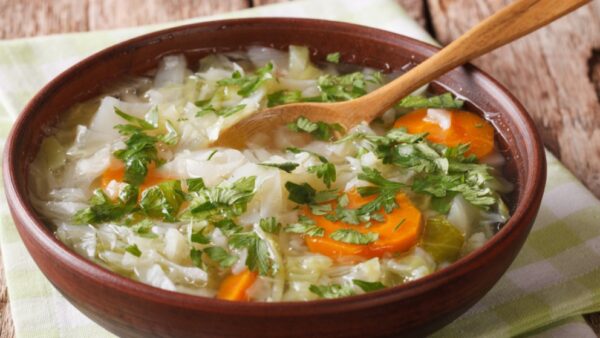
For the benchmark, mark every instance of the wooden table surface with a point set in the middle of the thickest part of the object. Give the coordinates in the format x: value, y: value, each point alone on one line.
x: 555, y: 72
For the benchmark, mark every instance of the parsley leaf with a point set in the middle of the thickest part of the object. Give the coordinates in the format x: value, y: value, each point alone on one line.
x: 199, y: 237
x: 324, y: 171
x: 140, y: 151
x: 222, y: 201
x: 195, y: 184
x: 352, y: 236
x: 368, y: 286
x: 386, y: 190
x: 163, y: 200
x: 341, y: 88
x: 134, y: 250
x: 258, y: 258
x: 331, y: 291
x: 333, y: 57
x: 250, y: 83
x: 196, y: 257
x: 221, y: 256
x: 102, y: 209
x: 207, y: 108
x: 445, y: 100
x: 320, y: 130
x: 305, y: 226
x: 144, y: 229
x: 284, y: 97
x: 300, y: 193
x: 270, y: 225
x: 288, y: 167
x: 228, y: 227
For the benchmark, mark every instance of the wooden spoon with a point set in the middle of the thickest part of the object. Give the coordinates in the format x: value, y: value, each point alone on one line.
x: 515, y: 20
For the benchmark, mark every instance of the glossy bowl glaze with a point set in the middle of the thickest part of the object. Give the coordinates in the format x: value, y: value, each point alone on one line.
x: 131, y: 309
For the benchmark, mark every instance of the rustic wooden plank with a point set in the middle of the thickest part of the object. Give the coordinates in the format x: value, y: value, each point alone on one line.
x: 6, y: 326
x: 548, y: 71
x: 41, y: 17
x: 554, y: 72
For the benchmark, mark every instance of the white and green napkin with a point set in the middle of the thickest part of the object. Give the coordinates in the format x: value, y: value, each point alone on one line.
x: 554, y: 280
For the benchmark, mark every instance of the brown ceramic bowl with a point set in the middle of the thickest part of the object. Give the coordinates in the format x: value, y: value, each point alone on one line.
x: 132, y: 309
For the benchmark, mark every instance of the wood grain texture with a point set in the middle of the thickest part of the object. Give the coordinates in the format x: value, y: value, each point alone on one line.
x: 41, y: 17
x: 6, y: 325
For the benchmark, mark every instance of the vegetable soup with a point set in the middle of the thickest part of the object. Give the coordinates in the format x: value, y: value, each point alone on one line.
x: 131, y: 182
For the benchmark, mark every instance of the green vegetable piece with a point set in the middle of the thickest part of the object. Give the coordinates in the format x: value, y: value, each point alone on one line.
x: 300, y: 193
x: 102, y: 209
x: 284, y: 97
x: 324, y: 171
x: 195, y: 184
x: 442, y: 240
x: 270, y: 225
x: 368, y: 286
x: 134, y: 250
x: 319, y: 130
x: 333, y: 57
x: 288, y: 167
x: 196, y: 257
x: 221, y: 256
x: 445, y: 100
x: 258, y: 258
x: 250, y: 83
x: 199, y: 237
x: 228, y: 227
x: 163, y: 200
x: 331, y: 291
x: 352, y: 236
x: 305, y: 226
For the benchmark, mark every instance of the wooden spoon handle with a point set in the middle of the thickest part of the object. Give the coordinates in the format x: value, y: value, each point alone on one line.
x: 515, y: 20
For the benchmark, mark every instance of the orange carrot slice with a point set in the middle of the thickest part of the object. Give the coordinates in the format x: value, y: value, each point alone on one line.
x: 234, y: 287
x: 399, y: 231
x: 465, y: 127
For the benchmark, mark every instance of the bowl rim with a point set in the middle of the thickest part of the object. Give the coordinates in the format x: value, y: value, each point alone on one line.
x: 26, y: 218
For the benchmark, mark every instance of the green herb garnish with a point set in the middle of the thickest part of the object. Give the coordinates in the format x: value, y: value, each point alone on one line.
x: 352, y: 236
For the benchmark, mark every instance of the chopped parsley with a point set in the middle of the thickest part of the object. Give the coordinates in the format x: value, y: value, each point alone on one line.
x: 352, y: 236
x: 368, y: 286
x: 258, y: 258
x: 199, y: 237
x: 270, y: 225
x: 288, y: 167
x: 140, y: 147
x: 212, y: 153
x: 102, y: 209
x: 228, y: 227
x: 331, y: 291
x: 222, y: 201
x: 325, y: 171
x: 221, y: 256
x: 206, y: 107
x: 134, y: 250
x: 163, y: 200
x: 300, y: 193
x: 248, y: 84
x: 305, y: 226
x: 319, y: 130
x: 284, y: 97
x: 333, y: 57
x: 445, y: 100
x: 196, y: 257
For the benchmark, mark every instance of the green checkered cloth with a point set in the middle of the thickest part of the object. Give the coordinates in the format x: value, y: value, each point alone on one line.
x: 554, y: 280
